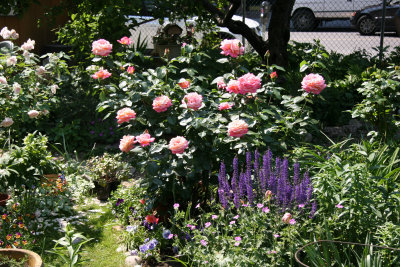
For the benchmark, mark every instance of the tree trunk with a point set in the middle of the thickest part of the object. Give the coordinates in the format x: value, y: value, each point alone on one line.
x: 279, y: 32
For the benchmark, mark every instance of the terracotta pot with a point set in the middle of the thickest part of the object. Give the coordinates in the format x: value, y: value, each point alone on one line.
x: 3, y: 199
x: 34, y: 259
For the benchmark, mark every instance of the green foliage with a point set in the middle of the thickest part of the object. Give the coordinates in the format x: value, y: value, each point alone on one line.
x: 68, y: 248
x: 380, y: 102
x: 12, y: 262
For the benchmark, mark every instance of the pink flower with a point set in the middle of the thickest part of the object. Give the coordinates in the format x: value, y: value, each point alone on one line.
x: 40, y: 70
x: 33, y: 113
x: 237, y: 128
x: 214, y: 217
x: 11, y: 61
x: 101, y: 74
x: 17, y: 88
x: 101, y: 47
x: 207, y: 224
x: 339, y: 206
x: 273, y: 75
x: 232, y: 222
x: 292, y: 221
x: 238, y: 238
x: 161, y: 103
x: 184, y: 83
x: 7, y: 34
x: 178, y: 145
x: 265, y: 210
x: 236, y: 217
x: 203, y: 242
x: 144, y: 139
x: 125, y: 41
x: 130, y: 69
x: 3, y: 80
x: 237, y: 244
x: 301, y: 206
x: 225, y: 105
x: 260, y: 205
x: 127, y: 143
x: 286, y: 217
x: 276, y: 235
x: 193, y: 101
x: 249, y: 83
x: 125, y: 115
x: 313, y: 83
x: 7, y: 122
x: 28, y: 45
x: 184, y: 44
x: 170, y: 236
x: 232, y: 47
x: 176, y: 205
x: 221, y: 84
x: 233, y: 87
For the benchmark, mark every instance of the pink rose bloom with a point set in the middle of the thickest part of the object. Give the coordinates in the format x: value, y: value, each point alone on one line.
x: 144, y: 139
x: 232, y: 47
x: 33, y: 113
x: 292, y: 221
x: 125, y: 40
x: 17, y: 88
x: 3, y: 80
x: 249, y: 83
x: 54, y: 89
x: 127, y: 143
x: 313, y: 83
x: 28, y: 45
x: 130, y: 69
x: 225, y: 105
x: 101, y: 47
x: 161, y: 103
x: 11, y: 61
x: 193, y: 101
x: 7, y: 122
x: 101, y: 74
x: 40, y: 70
x: 5, y: 33
x: 237, y: 128
x: 221, y: 84
x: 273, y: 75
x: 184, y: 83
x: 125, y: 115
x: 178, y: 145
x: 286, y: 217
x: 233, y: 87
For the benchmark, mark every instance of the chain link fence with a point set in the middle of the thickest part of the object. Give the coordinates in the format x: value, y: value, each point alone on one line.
x: 343, y: 26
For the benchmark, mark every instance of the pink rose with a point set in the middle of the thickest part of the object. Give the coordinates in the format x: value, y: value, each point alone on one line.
x: 221, y: 84
x: 184, y: 83
x: 249, y: 83
x: 225, y: 105
x: 125, y: 40
x: 28, y: 45
x: 313, y: 83
x: 11, y: 61
x: 178, y: 145
x: 130, y: 69
x: 232, y: 47
x: 101, y: 74
x: 33, y: 113
x: 161, y: 103
x: 273, y: 75
x: 3, y: 80
x: 7, y: 34
x: 144, y: 139
x: 101, y: 47
x: 233, y: 87
x: 17, y: 88
x: 127, y: 143
x: 286, y: 217
x: 125, y: 115
x: 7, y: 122
x: 237, y: 128
x: 40, y: 71
x: 193, y: 101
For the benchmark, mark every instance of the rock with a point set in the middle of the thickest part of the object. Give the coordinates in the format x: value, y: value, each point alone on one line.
x: 133, y: 261
x: 118, y: 227
x: 121, y: 249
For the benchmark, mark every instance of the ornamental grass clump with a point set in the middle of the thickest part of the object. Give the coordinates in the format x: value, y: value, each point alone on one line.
x: 266, y: 182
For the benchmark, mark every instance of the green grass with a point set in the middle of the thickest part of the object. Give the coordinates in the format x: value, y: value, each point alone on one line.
x: 99, y: 252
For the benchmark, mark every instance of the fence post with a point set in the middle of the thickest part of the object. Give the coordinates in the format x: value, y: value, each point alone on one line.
x: 243, y: 18
x: 382, y: 30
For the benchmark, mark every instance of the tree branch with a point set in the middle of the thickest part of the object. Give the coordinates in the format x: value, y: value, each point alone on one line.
x: 232, y: 10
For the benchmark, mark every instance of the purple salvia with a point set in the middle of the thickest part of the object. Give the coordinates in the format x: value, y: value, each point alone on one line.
x: 306, y: 186
x: 263, y: 179
x: 256, y: 166
x: 277, y: 168
x: 235, y: 169
x: 224, y: 182
x: 272, y: 184
x: 249, y: 187
x: 235, y: 189
x: 222, y: 198
x: 242, y: 184
x: 296, y: 173
x: 313, y: 209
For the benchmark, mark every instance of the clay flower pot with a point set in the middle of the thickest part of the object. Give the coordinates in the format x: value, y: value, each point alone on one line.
x: 34, y: 259
x: 3, y: 199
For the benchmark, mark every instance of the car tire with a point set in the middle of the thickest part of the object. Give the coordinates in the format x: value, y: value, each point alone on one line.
x: 304, y: 20
x: 366, y: 25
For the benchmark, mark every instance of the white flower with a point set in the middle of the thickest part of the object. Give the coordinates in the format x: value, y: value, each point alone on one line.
x: 5, y: 33
x: 27, y: 55
x: 54, y: 88
x: 40, y: 70
x: 37, y: 213
x: 28, y: 45
x: 3, y: 80
x: 7, y: 122
x: 11, y: 61
x: 17, y: 88
x: 33, y: 113
x: 14, y: 35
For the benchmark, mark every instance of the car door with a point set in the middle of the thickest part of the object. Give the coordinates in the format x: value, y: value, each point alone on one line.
x: 338, y: 8
x: 360, y: 4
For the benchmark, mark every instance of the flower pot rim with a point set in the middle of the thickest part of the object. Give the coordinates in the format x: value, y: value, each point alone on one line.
x: 34, y: 260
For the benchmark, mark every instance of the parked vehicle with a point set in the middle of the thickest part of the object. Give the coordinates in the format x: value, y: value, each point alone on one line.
x: 307, y: 14
x: 368, y: 20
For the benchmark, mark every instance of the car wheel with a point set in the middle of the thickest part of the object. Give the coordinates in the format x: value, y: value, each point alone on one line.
x: 304, y: 20
x: 366, y: 25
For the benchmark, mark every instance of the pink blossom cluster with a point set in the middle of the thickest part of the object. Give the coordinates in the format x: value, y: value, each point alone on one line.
x: 101, y: 74
x: 125, y: 115
x: 237, y: 128
x: 313, y: 83
x: 125, y: 40
x: 192, y: 101
x: 28, y: 45
x: 101, y: 47
x: 178, y: 144
x: 225, y: 105
x: 9, y: 34
x: 128, y: 142
x: 161, y: 103
x: 183, y: 83
x: 248, y: 83
x: 232, y: 47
